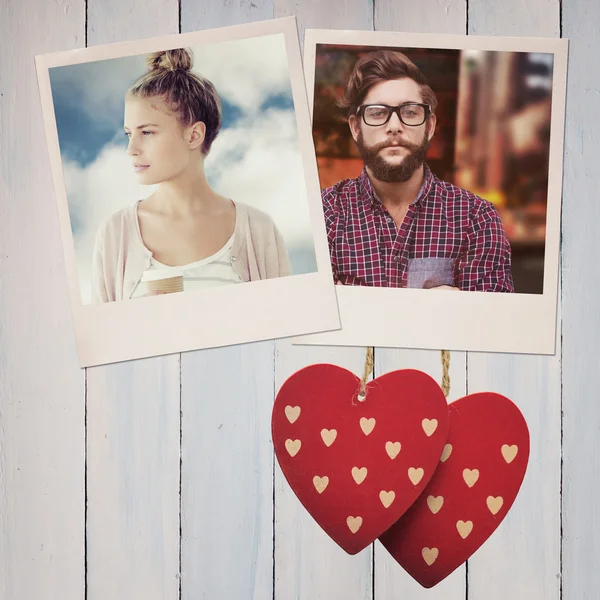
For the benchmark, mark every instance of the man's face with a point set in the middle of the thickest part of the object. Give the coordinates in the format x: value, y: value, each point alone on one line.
x: 394, y: 151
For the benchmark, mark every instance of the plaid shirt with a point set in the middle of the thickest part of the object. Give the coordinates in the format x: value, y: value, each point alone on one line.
x: 449, y: 236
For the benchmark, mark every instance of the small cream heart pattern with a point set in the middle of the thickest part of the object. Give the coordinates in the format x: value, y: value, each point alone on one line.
x: 320, y: 483
x: 415, y: 475
x: 387, y: 497
x: 470, y: 476
x: 393, y: 449
x: 358, y: 466
x: 474, y: 485
x: 367, y: 425
x: 359, y: 474
x: 292, y: 413
x: 464, y: 528
x: 509, y: 452
x: 446, y: 452
x: 435, y: 503
x: 430, y: 555
x: 328, y: 436
x: 429, y: 426
x: 354, y: 523
x: 494, y: 504
x: 293, y: 447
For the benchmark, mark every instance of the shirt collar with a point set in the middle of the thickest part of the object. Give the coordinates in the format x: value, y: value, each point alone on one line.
x: 368, y: 193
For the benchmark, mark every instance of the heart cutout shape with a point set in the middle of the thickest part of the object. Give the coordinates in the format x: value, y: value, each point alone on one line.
x: 380, y: 457
x: 471, y: 491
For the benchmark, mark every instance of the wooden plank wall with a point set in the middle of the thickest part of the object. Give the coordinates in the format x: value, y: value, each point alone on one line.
x: 155, y: 479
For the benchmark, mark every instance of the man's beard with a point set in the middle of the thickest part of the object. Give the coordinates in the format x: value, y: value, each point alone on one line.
x: 382, y: 169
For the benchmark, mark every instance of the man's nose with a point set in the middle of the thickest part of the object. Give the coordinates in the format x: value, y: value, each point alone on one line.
x: 395, y: 124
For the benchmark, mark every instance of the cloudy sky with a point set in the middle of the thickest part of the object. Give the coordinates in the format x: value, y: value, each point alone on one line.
x: 255, y: 158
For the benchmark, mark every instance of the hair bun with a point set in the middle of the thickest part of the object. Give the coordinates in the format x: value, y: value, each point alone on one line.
x: 171, y: 60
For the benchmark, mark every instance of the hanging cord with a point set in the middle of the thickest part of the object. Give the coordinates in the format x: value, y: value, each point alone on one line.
x: 446, y: 372
x: 369, y: 369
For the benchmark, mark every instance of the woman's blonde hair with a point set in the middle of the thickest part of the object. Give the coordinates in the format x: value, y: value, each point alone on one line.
x: 191, y: 97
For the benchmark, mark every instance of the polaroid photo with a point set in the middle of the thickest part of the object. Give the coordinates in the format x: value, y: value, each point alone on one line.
x: 182, y: 165
x: 440, y: 166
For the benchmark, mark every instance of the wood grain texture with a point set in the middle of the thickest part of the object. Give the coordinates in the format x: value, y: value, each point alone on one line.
x: 227, y: 474
x: 308, y: 563
x: 325, y: 14
x: 196, y: 16
x: 41, y: 386
x: 133, y: 482
x: 581, y: 318
x: 133, y: 415
x: 428, y: 16
x: 227, y: 459
x: 522, y: 558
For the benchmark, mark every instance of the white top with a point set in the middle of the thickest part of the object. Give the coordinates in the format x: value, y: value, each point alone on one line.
x: 213, y: 270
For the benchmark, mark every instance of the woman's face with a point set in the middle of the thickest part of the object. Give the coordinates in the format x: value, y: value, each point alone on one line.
x: 158, y: 143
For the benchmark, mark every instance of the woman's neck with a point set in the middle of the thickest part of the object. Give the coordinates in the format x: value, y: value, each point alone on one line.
x: 186, y: 195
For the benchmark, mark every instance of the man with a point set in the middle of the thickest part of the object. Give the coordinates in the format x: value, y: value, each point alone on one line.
x: 397, y: 224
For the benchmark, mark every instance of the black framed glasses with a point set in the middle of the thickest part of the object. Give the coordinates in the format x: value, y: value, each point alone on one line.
x: 412, y: 114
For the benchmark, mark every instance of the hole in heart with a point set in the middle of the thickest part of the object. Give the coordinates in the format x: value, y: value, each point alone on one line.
x: 361, y: 396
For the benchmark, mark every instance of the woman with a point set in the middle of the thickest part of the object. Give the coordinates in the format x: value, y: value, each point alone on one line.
x: 184, y: 230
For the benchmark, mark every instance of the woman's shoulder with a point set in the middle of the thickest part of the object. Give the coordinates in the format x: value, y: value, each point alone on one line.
x: 257, y: 218
x: 118, y: 221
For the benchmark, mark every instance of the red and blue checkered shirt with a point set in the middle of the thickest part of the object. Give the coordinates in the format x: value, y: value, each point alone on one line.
x: 449, y: 236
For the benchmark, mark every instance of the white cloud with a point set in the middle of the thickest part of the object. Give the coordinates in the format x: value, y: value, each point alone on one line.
x: 245, y: 72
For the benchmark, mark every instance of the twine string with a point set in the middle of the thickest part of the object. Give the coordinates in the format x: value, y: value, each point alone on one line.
x: 446, y: 372
x: 362, y: 393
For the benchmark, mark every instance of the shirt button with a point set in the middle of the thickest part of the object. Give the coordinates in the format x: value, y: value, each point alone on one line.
x: 233, y: 259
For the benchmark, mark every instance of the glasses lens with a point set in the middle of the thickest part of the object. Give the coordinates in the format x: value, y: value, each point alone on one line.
x: 413, y: 114
x: 376, y: 115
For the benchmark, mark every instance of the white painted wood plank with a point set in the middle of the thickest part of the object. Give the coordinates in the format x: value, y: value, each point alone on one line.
x: 227, y: 473
x: 308, y: 564
x: 325, y: 14
x: 41, y: 386
x: 581, y: 318
x: 196, y: 16
x: 133, y: 416
x: 427, y: 16
x: 133, y: 481
x: 522, y: 558
x: 227, y: 460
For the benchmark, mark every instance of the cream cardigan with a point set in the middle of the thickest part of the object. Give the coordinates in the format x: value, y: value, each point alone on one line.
x: 120, y: 257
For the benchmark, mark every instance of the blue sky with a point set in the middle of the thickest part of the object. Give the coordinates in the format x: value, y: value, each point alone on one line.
x: 255, y: 159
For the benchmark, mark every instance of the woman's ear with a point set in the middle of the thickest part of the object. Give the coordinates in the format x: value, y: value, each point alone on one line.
x: 196, y: 135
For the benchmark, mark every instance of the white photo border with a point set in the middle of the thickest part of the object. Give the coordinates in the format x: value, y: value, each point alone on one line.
x: 476, y: 321
x: 259, y: 310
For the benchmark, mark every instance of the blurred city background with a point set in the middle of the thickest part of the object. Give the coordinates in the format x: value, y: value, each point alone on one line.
x: 492, y: 135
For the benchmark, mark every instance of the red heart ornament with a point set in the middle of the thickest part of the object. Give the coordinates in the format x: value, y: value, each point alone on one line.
x: 479, y: 475
x: 356, y: 466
